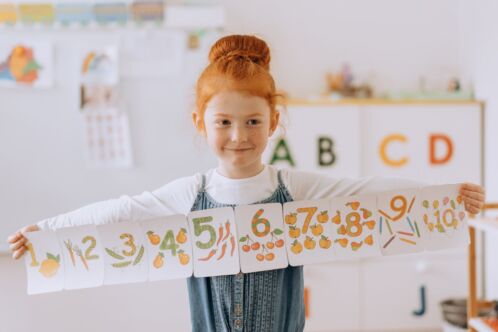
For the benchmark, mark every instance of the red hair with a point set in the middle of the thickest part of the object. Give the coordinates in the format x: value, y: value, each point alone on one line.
x: 240, y: 63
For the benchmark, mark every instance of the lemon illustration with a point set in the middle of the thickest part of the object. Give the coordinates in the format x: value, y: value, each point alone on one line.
x: 50, y: 266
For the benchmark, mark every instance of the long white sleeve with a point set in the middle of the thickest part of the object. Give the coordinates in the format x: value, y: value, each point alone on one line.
x: 172, y: 198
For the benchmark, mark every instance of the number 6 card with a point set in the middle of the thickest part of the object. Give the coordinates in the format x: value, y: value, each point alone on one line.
x: 261, y: 237
x: 214, y: 243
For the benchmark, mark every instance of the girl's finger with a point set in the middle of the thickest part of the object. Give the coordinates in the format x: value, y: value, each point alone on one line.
x: 473, y: 194
x: 14, y: 237
x: 472, y: 187
x: 18, y: 254
x: 474, y: 202
x: 17, y: 245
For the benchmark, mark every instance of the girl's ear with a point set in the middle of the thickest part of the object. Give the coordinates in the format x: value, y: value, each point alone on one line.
x: 198, y: 122
x: 275, y: 117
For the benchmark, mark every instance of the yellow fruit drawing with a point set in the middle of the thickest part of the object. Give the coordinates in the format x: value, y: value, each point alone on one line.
x: 370, y: 224
x: 366, y: 213
x: 184, y: 258
x: 317, y: 230
x: 342, y: 242
x: 153, y: 238
x: 294, y: 232
x: 323, y: 217
x: 354, y: 205
x: 309, y: 243
x: 369, y: 240
x: 296, y: 247
x: 291, y: 219
x: 342, y: 230
x: 159, y: 260
x: 337, y: 218
x: 50, y: 266
x: 324, y: 242
x: 181, y: 237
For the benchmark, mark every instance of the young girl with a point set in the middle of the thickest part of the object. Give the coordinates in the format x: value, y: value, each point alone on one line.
x: 236, y: 114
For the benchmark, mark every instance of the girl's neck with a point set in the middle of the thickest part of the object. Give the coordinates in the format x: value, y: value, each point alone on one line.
x: 240, y: 172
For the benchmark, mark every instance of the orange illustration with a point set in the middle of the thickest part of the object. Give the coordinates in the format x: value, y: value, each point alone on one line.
x: 369, y: 240
x: 294, y: 232
x: 323, y: 217
x: 181, y: 237
x: 159, y: 260
x: 183, y: 257
x: 296, y: 247
x: 309, y: 243
x: 317, y: 229
x: 324, y: 242
x: 153, y: 238
x: 50, y: 266
x: 291, y: 219
x: 354, y: 205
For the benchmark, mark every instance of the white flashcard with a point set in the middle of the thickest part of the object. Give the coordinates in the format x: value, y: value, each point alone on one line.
x: 169, y: 247
x: 44, y: 263
x: 125, y: 256
x: 308, y: 232
x: 214, y: 243
x: 261, y: 237
x: 400, y: 228
x: 83, y: 257
x: 444, y: 217
x: 355, y: 232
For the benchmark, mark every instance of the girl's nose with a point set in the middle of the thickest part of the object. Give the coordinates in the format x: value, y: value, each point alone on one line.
x: 239, y: 134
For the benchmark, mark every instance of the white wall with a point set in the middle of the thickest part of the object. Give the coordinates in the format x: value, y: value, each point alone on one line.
x: 389, y: 42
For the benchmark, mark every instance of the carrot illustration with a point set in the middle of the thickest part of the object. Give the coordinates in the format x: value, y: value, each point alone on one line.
x: 223, y: 249
x: 220, y: 234
x: 227, y: 226
x: 70, y: 249
x: 211, y: 254
x: 232, y: 242
x: 78, y: 252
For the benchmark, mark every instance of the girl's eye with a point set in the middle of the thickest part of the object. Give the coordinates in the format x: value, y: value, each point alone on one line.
x: 253, y: 122
x: 223, y: 123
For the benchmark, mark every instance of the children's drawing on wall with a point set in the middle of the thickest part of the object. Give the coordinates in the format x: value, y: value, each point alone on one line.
x: 107, y: 135
x: 26, y: 64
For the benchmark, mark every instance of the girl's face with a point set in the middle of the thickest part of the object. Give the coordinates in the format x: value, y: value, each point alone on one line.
x: 237, y: 127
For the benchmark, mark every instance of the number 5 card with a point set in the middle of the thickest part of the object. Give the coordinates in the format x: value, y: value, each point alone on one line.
x: 125, y: 257
x: 214, y: 245
x: 169, y: 247
x: 261, y: 237
x: 44, y: 263
x: 82, y: 252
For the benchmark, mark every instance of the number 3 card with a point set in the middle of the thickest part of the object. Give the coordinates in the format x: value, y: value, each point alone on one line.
x: 82, y: 253
x: 125, y: 259
x: 214, y: 244
x: 308, y: 229
x: 261, y: 237
x: 444, y: 217
x: 169, y: 247
x: 44, y: 263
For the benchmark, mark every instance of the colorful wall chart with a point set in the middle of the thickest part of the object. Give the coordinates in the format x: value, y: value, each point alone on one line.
x: 249, y: 238
x: 26, y: 64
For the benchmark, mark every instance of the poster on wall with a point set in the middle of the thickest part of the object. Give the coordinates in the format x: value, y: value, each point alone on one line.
x: 106, y: 126
x: 26, y: 64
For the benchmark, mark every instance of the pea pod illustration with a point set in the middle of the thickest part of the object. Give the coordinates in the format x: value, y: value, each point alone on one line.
x: 121, y: 264
x: 113, y: 254
x: 139, y: 256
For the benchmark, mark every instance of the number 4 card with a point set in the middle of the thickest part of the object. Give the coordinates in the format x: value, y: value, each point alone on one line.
x: 125, y: 257
x: 169, y: 247
x: 214, y: 243
x: 444, y: 217
x: 261, y: 238
x: 44, y: 263
x: 82, y: 253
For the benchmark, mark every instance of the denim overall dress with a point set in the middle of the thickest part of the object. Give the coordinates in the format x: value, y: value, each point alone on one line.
x: 263, y: 301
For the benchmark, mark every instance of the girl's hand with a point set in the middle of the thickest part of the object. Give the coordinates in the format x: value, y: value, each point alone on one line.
x: 473, y: 196
x: 18, y: 240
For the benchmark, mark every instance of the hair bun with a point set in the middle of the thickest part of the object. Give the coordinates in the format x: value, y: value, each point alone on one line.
x: 241, y: 47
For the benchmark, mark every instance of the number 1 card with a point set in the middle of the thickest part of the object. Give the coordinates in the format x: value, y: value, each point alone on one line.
x: 214, y: 245
x: 44, y: 263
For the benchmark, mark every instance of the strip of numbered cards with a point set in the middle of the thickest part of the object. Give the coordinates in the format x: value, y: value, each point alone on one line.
x: 249, y: 238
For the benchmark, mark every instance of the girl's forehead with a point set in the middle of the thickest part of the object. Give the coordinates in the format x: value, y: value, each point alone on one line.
x: 236, y: 102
